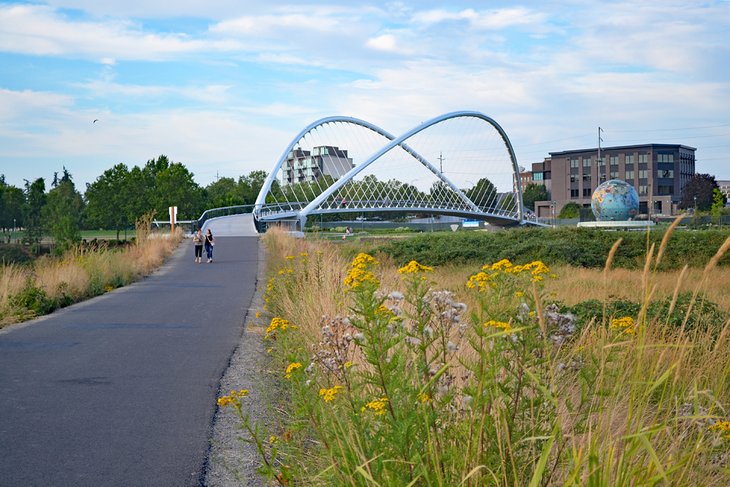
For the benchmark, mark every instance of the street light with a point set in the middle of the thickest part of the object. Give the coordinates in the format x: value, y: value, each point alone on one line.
x: 553, y: 206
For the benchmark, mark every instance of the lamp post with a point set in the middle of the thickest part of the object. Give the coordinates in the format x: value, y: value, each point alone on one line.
x: 553, y: 206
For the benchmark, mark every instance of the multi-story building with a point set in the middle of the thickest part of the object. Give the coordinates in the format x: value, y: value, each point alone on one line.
x: 657, y: 171
x: 303, y: 166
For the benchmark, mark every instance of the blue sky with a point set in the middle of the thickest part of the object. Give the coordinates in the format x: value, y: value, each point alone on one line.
x: 223, y: 85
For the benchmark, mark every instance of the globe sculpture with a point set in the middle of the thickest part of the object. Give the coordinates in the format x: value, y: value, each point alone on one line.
x: 615, y: 200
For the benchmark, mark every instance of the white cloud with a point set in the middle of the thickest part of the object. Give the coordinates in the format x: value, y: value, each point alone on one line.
x: 39, y: 30
x: 385, y: 42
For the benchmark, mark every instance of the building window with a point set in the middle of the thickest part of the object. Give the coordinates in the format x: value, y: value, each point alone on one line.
x: 643, y: 173
x: 587, y: 178
x: 586, y: 162
x: 665, y: 157
x: 664, y: 190
x: 601, y: 162
x: 537, y: 176
x: 629, y: 159
x: 643, y: 158
x: 630, y: 174
x: 587, y: 192
x: 643, y: 190
x: 573, y: 163
x: 573, y: 178
x: 666, y: 173
x: 573, y: 193
x: 614, y: 174
x: 613, y: 160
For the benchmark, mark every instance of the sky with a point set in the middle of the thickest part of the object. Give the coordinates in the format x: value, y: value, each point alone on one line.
x: 223, y: 86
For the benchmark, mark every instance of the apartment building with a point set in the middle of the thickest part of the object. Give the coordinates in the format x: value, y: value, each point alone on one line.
x: 657, y: 171
x: 302, y: 166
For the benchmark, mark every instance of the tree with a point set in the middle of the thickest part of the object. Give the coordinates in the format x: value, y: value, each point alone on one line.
x: 110, y: 199
x: 534, y: 192
x: 171, y: 184
x: 570, y: 210
x: 35, y: 198
x: 718, y: 203
x: 250, y: 186
x: 62, y: 213
x: 223, y: 192
x: 697, y: 193
x: 482, y: 194
x: 11, y: 205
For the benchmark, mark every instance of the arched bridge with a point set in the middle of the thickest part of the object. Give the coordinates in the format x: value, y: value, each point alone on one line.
x: 460, y: 164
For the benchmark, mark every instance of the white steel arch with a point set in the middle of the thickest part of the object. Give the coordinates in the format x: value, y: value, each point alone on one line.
x: 312, y: 206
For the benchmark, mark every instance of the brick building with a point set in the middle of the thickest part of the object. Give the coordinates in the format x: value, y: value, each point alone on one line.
x: 658, y: 172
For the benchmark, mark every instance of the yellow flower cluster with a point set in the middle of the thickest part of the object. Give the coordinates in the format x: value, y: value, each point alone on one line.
x: 328, y: 395
x: 485, y: 278
x: 414, y: 267
x: 377, y: 406
x: 360, y: 271
x: 279, y: 324
x: 286, y: 270
x: 291, y: 368
x: 625, y: 324
x: 722, y: 426
x: 233, y: 399
x: 423, y: 397
x: 500, y: 325
x: 290, y: 257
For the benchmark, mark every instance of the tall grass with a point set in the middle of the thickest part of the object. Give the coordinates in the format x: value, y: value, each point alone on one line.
x: 50, y: 283
x: 454, y: 376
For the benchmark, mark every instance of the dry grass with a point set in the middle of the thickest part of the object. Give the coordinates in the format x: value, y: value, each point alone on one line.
x: 80, y: 274
x: 576, y: 284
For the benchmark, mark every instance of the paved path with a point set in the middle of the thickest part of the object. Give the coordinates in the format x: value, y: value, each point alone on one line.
x: 121, y: 390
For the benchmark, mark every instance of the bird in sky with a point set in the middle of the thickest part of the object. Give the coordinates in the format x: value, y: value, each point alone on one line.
x: 95, y: 120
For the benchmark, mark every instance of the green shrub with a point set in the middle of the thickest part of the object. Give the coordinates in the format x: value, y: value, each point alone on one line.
x: 573, y: 246
x: 705, y: 314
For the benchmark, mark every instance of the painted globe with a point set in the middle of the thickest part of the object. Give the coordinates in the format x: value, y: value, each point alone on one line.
x: 615, y: 200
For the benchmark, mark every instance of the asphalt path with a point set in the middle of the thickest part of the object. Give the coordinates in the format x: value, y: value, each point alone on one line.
x: 121, y: 389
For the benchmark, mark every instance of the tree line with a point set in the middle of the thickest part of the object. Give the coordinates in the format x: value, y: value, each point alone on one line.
x: 115, y: 200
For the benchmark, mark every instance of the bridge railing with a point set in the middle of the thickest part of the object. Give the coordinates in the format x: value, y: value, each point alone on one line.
x: 375, y: 205
x: 223, y: 211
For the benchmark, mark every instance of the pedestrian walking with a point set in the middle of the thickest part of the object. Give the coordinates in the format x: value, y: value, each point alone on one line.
x: 209, y: 243
x: 198, y: 244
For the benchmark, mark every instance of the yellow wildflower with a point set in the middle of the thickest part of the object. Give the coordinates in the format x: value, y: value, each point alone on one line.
x: 479, y: 281
x: 414, y: 267
x: 377, y: 406
x: 290, y: 257
x: 273, y: 439
x: 233, y: 399
x: 519, y: 294
x: 279, y: 324
x: 328, y: 395
x: 722, y: 426
x: 503, y: 265
x: 360, y: 271
x: 291, y: 368
x: 500, y: 325
x: 258, y: 314
x: 625, y: 324
x: 348, y: 364
x: 423, y: 397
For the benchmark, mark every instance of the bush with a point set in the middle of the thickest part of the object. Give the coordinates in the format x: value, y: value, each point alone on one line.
x: 572, y: 246
x: 704, y: 314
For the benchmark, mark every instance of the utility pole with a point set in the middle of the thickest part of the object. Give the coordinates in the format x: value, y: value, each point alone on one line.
x: 441, y: 162
x: 599, y: 144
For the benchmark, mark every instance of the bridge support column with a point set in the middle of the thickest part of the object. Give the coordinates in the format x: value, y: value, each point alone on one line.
x: 302, y: 222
